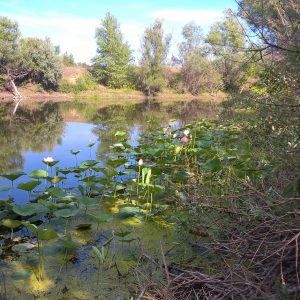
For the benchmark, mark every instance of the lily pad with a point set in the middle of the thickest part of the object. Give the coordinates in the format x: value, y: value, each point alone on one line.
x: 87, y: 201
x: 51, y: 163
x: 46, y: 234
x: 75, y: 152
x: 24, y: 210
x: 37, y: 174
x: 28, y: 186
x: 56, y: 192
x: 11, y: 223
x: 13, y: 176
x: 128, y: 211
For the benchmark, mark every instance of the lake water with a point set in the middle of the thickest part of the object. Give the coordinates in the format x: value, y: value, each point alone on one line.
x: 53, y: 129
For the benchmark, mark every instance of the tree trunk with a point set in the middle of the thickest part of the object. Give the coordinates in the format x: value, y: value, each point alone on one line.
x: 16, y: 93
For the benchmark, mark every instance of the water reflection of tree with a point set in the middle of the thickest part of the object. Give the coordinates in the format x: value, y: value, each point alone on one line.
x: 35, y: 130
x: 145, y: 116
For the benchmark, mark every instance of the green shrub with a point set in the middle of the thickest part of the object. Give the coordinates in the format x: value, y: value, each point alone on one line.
x: 85, y: 82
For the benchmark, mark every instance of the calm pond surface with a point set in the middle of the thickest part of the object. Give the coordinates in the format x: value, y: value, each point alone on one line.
x: 53, y: 129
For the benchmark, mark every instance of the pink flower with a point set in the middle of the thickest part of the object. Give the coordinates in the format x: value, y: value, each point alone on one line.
x: 185, y: 139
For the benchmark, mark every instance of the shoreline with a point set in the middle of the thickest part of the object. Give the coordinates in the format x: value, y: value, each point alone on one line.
x: 107, y: 98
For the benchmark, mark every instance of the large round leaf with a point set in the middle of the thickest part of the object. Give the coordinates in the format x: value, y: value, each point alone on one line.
x: 129, y: 211
x: 51, y: 163
x: 56, y: 192
x: 87, y: 201
x: 46, y: 234
x: 28, y: 186
x: 11, y: 223
x: 24, y: 210
x: 13, y: 176
x: 101, y: 218
x: 37, y: 174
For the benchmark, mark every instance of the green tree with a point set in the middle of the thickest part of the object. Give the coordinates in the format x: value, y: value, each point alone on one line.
x: 68, y: 60
x: 198, y: 73
x: 38, y: 58
x: 276, y: 26
x: 227, y: 41
x: 111, y: 66
x: 9, y: 37
x: 26, y: 59
x: 155, y: 47
x: 275, y: 23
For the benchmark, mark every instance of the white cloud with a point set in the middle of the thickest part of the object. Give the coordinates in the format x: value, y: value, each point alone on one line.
x: 76, y: 35
x: 200, y: 16
x: 73, y: 34
x: 133, y: 32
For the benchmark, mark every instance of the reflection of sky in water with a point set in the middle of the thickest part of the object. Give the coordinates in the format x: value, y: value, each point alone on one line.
x: 76, y: 136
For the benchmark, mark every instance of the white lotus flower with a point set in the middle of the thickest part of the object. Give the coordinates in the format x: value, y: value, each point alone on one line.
x: 48, y: 159
x: 186, y: 132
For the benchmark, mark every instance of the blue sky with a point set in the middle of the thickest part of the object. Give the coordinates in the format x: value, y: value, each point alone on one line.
x: 71, y: 23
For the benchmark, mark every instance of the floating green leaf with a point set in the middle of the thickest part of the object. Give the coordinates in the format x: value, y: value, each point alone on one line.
x: 24, y: 210
x: 129, y: 211
x: 88, y: 163
x: 91, y: 144
x: 11, y: 223
x: 116, y: 162
x: 37, y: 174
x: 101, y: 218
x: 75, y: 152
x: 13, y: 176
x: 87, y: 201
x: 28, y: 186
x: 46, y: 234
x: 51, y: 163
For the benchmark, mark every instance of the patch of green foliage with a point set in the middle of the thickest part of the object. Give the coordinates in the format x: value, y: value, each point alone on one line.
x: 85, y: 82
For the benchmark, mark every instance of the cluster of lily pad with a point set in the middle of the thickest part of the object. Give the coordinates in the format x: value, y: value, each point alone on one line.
x: 136, y: 180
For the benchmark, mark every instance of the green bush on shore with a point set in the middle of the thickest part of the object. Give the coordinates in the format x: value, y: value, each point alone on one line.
x: 84, y: 83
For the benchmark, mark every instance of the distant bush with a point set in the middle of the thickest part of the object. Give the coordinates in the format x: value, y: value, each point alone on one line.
x: 85, y: 82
